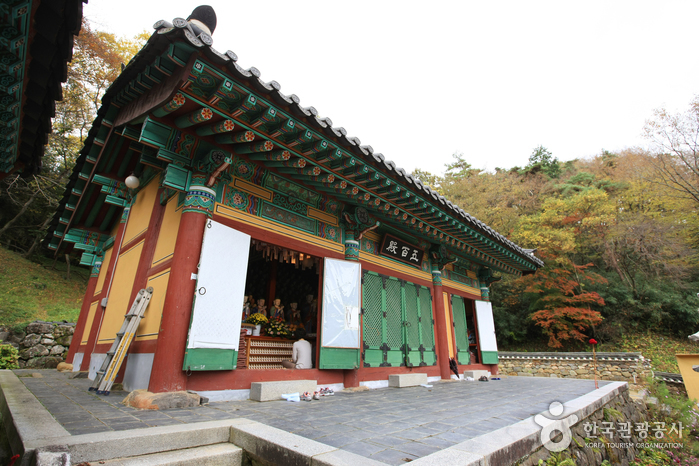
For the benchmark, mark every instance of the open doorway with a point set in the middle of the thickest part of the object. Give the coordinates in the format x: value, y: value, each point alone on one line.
x: 282, y: 284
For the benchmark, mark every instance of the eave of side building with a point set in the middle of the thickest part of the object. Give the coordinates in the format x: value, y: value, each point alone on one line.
x: 36, y: 45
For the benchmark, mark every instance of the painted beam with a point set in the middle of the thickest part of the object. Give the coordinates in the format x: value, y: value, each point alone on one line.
x: 221, y: 127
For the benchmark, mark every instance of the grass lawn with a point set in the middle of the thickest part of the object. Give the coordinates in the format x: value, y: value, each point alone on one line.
x: 33, y: 291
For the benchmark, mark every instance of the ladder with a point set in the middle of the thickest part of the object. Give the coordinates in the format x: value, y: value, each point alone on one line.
x: 116, y: 354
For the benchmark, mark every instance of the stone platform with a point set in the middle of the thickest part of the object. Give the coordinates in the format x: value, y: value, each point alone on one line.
x: 383, y: 426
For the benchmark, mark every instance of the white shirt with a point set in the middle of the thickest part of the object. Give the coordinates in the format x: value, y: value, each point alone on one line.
x: 301, y: 355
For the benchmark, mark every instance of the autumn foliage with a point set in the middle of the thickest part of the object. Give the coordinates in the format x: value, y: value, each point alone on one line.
x: 620, y: 243
x: 565, y: 311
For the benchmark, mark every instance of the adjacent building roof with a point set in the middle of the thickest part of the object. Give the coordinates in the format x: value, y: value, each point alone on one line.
x: 36, y: 44
x: 180, y: 62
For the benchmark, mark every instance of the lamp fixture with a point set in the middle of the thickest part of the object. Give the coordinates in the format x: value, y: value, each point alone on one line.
x: 132, y: 181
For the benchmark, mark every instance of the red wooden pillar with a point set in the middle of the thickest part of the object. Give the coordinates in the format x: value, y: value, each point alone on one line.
x: 84, y: 311
x: 440, y: 324
x: 351, y: 376
x: 167, y: 374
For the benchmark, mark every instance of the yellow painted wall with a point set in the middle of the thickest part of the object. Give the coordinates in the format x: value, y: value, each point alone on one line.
x: 689, y: 377
x: 88, y: 324
x: 141, y: 211
x: 150, y: 325
x: 461, y: 287
x: 103, y: 271
x: 168, y: 232
x: 447, y: 316
x: 120, y: 293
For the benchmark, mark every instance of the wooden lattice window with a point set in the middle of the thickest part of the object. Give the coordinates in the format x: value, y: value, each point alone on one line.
x: 398, y: 328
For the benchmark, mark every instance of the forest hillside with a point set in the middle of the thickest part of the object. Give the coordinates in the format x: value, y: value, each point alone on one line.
x: 618, y: 232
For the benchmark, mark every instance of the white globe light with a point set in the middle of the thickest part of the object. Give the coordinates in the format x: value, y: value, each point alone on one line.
x: 132, y: 182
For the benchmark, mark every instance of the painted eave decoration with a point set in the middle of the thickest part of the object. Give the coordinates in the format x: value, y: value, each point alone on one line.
x: 179, y: 83
x: 36, y: 44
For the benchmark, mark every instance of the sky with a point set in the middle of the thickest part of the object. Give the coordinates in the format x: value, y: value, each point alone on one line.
x: 489, y: 80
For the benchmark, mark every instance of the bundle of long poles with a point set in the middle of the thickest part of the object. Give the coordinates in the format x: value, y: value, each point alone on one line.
x: 594, y: 365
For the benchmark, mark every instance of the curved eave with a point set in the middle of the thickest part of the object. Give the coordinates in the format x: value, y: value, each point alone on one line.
x: 441, y: 217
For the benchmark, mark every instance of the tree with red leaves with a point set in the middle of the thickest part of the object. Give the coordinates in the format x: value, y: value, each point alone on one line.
x: 564, y: 306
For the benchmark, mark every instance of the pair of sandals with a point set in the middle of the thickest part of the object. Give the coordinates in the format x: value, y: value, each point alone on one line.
x: 308, y: 396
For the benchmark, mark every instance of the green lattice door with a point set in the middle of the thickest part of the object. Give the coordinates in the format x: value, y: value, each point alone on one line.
x: 458, y: 309
x: 426, y: 320
x: 395, y: 331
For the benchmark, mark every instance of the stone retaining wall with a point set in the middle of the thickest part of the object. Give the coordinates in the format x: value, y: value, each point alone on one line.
x: 601, y: 441
x: 40, y: 344
x: 620, y: 367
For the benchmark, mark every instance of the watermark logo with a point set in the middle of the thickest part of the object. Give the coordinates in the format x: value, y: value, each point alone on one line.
x: 551, y: 427
x: 649, y: 433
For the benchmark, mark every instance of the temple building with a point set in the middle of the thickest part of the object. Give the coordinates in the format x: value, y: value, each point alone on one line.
x: 230, y: 199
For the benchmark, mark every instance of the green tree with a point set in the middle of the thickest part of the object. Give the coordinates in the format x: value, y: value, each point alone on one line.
x: 542, y: 160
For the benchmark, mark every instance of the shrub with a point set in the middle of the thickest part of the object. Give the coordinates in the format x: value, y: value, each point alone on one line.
x: 8, y: 357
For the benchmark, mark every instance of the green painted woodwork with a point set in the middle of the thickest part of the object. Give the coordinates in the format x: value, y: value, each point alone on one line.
x: 154, y: 133
x: 110, y: 153
x: 107, y: 222
x: 458, y: 310
x: 102, y: 134
x: 131, y: 132
x: 288, y: 217
x: 108, y: 243
x: 209, y: 359
x: 150, y: 158
x: 489, y: 357
x: 397, y: 322
x: 121, y: 172
x: 179, y: 53
x: 84, y: 240
x: 88, y: 259
x: 113, y: 200
x: 173, y: 157
x: 176, y: 177
x: 338, y: 358
x: 89, y: 191
x: 101, y: 198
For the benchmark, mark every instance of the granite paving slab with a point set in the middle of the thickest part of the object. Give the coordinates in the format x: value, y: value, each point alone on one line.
x: 389, y: 425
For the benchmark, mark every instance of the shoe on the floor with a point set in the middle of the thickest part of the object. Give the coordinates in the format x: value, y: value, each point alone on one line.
x: 316, y: 396
x: 306, y: 396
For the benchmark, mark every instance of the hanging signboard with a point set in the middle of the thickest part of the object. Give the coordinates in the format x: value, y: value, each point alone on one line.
x: 400, y: 250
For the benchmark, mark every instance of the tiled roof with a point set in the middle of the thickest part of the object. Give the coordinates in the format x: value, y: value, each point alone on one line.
x: 178, y: 31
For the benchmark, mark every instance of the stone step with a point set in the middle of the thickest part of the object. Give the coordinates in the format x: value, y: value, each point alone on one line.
x: 407, y: 380
x: 273, y: 391
x: 220, y: 454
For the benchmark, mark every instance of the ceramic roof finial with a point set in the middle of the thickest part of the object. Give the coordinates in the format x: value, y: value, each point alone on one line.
x: 203, y: 17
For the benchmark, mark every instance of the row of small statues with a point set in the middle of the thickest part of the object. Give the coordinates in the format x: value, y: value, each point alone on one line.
x: 306, y: 316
